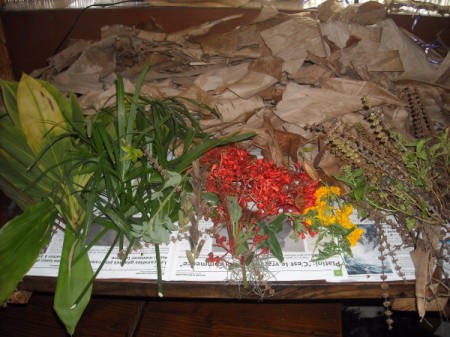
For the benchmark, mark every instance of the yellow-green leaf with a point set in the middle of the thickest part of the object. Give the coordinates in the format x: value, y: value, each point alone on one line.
x: 41, y: 121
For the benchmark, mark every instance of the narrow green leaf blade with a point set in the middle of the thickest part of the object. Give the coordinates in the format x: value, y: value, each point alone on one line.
x: 9, y: 91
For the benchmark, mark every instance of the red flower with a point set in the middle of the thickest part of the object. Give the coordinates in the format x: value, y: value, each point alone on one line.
x: 262, y: 189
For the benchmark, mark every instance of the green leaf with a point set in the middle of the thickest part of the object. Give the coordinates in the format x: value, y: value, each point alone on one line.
x: 21, y: 241
x: 72, y: 280
x: 421, y: 152
x: 77, y: 121
x: 211, y: 198
x: 22, y: 199
x: 276, y: 224
x: 155, y: 231
x: 174, y: 179
x: 121, y: 122
x: 181, y: 163
x: 410, y: 223
x: 9, y: 91
x: 235, y: 211
x: 118, y: 220
x: 358, y: 193
x: 274, y: 245
x: 19, y: 155
x: 71, y: 108
x: 15, y: 173
x: 14, y: 142
x: 241, y: 248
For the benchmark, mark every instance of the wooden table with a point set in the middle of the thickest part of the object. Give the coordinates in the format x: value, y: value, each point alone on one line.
x: 215, y: 309
x: 132, y: 307
x: 38, y: 33
x: 294, y: 290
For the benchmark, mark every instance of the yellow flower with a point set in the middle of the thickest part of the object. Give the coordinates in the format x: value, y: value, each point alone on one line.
x: 326, y: 215
x: 354, y: 236
x: 343, y: 216
x: 320, y: 192
x: 309, y: 209
x: 325, y: 191
x: 335, y: 190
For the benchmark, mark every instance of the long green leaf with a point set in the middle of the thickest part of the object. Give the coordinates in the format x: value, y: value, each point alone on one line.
x: 131, y: 120
x: 9, y: 91
x: 40, y: 120
x: 71, y: 109
x: 180, y: 164
x: 121, y: 122
x: 72, y: 280
x: 15, y: 173
x: 21, y: 240
x: 14, y: 142
x: 22, y: 199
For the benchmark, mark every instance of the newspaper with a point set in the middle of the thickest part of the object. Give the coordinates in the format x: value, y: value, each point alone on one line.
x: 366, y: 266
x: 298, y: 264
x: 140, y: 264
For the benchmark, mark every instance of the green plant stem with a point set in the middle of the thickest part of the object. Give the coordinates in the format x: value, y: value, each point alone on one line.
x: 244, y: 276
x: 158, y: 270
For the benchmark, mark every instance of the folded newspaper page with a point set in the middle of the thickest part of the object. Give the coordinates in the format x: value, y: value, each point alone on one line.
x: 298, y: 263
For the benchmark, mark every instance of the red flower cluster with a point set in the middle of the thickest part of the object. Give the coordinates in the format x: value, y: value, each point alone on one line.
x: 260, y: 186
x: 262, y: 190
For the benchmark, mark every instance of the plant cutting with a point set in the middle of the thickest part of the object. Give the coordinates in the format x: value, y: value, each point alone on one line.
x: 251, y: 199
x: 122, y: 168
x: 402, y: 181
x: 329, y: 219
x: 40, y: 172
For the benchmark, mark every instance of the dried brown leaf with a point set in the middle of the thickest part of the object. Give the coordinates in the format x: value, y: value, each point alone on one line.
x: 251, y: 84
x: 268, y: 65
x: 219, y: 79
x: 290, y: 41
x: 311, y: 74
x: 367, y: 13
x: 235, y: 108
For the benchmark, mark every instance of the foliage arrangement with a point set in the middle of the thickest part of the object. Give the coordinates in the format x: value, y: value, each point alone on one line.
x: 329, y: 219
x: 402, y: 181
x: 144, y: 169
x: 123, y: 168
x: 251, y: 199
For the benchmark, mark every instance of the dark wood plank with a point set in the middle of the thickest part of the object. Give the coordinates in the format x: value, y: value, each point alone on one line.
x: 243, y: 319
x: 102, y: 317
x: 295, y: 290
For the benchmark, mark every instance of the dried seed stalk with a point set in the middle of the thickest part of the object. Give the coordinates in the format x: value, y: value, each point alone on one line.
x: 406, y: 179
